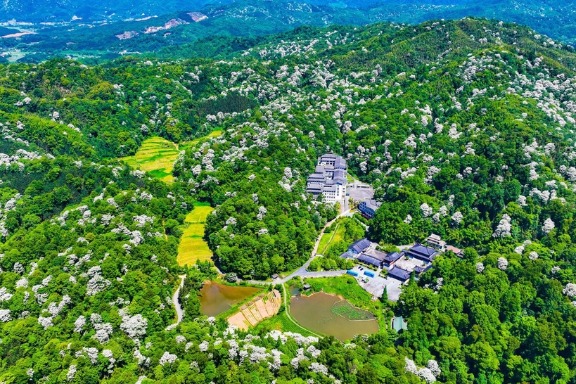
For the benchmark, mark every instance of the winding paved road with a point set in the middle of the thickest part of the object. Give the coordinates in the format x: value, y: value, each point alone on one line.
x: 303, y: 270
x: 177, y: 306
x: 300, y: 272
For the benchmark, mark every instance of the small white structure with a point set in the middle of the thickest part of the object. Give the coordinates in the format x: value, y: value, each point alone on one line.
x: 436, y: 242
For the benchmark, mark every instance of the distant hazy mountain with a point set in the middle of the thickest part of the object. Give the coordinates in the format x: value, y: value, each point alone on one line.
x: 64, y: 10
x: 109, y: 28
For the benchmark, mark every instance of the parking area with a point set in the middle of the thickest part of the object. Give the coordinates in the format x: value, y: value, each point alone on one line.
x: 375, y: 285
x: 393, y: 288
x: 360, y: 191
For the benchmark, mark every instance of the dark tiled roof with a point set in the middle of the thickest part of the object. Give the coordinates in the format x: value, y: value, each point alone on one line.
x: 399, y: 273
x: 339, y: 173
x: 347, y: 255
x: 328, y: 156
x: 419, y: 269
x: 360, y: 245
x: 370, y: 260
x: 379, y: 255
x: 420, y: 251
x: 373, y: 204
x: 392, y: 257
x: 340, y: 163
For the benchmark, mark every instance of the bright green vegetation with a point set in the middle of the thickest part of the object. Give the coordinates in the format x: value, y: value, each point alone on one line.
x: 156, y: 156
x: 350, y: 312
x: 335, y: 241
x: 465, y: 129
x: 324, y: 241
x: 193, y: 143
x: 281, y: 322
x: 192, y: 246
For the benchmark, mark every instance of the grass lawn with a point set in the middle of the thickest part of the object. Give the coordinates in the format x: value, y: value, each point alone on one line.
x: 324, y: 241
x: 156, y: 156
x: 281, y: 322
x: 331, y: 238
x: 192, y: 247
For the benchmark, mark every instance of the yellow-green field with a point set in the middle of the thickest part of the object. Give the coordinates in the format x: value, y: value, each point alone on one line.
x: 190, y: 144
x: 156, y: 156
x: 192, y: 247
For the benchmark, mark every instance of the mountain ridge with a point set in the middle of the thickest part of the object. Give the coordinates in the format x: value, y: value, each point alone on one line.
x: 254, y: 19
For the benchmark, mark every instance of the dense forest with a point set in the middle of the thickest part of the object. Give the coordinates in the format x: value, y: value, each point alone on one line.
x: 464, y: 128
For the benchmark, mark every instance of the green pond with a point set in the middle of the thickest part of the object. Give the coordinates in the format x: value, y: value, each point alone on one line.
x: 332, y: 315
x: 216, y: 298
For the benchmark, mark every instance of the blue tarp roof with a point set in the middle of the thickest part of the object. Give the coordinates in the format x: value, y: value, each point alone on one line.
x: 398, y: 324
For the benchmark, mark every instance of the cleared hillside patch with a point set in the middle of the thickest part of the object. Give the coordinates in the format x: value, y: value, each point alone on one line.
x: 192, y: 247
x: 156, y: 156
x: 190, y: 144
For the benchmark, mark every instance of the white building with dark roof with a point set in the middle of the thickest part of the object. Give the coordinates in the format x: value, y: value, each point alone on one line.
x: 329, y: 178
x: 368, y: 208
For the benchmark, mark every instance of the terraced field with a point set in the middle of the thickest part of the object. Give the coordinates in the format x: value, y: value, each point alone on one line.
x: 156, y: 156
x: 192, y: 247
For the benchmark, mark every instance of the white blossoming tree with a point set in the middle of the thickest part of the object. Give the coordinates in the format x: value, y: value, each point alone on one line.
x: 548, y: 226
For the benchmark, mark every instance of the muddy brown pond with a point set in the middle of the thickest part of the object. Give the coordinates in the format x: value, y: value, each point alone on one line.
x: 332, y: 315
x: 216, y: 298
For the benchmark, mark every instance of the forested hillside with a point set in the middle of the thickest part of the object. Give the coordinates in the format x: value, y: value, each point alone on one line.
x: 465, y: 129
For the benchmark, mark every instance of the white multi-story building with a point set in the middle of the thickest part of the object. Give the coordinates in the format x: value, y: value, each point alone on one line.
x: 329, y: 178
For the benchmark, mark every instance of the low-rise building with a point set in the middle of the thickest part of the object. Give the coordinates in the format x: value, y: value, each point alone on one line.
x: 399, y: 324
x: 373, y: 257
x: 368, y: 208
x: 422, y: 252
x: 391, y: 258
x: 399, y: 274
x: 359, y: 246
x: 436, y: 241
x: 457, y: 251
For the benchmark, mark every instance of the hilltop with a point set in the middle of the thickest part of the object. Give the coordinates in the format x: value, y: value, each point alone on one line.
x: 464, y: 128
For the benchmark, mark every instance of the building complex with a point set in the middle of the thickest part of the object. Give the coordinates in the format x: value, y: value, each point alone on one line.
x: 329, y: 178
x: 400, y: 265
